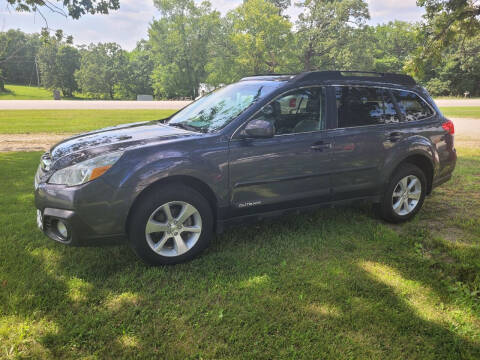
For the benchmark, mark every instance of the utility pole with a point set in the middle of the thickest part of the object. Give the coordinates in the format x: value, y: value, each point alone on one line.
x: 36, y: 68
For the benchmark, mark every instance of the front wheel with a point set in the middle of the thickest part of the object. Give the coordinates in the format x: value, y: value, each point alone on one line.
x: 170, y: 225
x: 404, y: 194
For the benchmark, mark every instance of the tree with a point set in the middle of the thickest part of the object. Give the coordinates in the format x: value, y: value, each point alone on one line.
x: 457, y: 71
x: 447, y: 23
x: 261, y: 36
x: 75, y: 8
x: 221, y: 67
x: 17, y: 56
x: 256, y: 41
x: 282, y: 5
x: 323, y: 27
x: 446, y: 20
x: 57, y: 62
x: 354, y: 50
x: 180, y: 42
x: 138, y: 74
x: 2, y: 81
x: 450, y: 49
x: 393, y: 44
x: 102, y: 68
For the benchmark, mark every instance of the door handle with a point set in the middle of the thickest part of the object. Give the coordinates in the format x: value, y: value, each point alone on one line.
x: 394, y: 136
x: 320, y: 146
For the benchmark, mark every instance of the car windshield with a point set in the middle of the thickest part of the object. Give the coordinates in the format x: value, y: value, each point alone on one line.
x: 215, y: 110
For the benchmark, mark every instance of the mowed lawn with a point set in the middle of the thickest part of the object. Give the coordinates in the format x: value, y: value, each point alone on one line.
x: 21, y: 92
x: 335, y: 283
x: 71, y: 121
x: 74, y: 121
x: 462, y: 112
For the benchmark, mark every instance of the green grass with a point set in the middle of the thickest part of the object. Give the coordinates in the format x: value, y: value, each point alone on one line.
x: 462, y: 112
x: 71, y: 121
x: 74, y: 121
x: 335, y: 283
x: 21, y: 92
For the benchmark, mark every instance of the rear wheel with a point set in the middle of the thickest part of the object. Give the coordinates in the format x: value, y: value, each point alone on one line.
x: 404, y: 195
x: 170, y: 225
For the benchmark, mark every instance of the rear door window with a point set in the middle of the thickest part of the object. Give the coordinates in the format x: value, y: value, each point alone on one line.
x: 412, y: 106
x: 361, y: 106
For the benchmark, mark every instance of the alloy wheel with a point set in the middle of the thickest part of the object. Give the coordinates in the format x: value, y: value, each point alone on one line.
x: 173, y: 228
x: 406, y: 195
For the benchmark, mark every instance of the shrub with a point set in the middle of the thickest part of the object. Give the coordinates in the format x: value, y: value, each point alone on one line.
x: 437, y: 87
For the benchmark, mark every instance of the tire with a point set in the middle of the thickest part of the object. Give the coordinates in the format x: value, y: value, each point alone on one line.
x: 159, y: 238
x: 399, y: 205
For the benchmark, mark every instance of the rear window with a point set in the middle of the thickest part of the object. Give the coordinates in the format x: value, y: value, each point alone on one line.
x: 360, y: 106
x: 412, y: 106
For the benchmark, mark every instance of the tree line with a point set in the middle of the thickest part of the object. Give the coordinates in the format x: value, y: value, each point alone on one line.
x: 191, y: 43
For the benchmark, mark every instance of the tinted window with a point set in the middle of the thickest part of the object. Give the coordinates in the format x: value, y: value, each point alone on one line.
x: 360, y: 106
x: 412, y: 106
x: 296, y: 112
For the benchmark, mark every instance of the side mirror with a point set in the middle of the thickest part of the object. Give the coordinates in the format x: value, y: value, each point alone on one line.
x: 259, y: 129
x: 267, y: 109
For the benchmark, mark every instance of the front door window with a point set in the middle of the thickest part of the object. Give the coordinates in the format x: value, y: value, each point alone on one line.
x: 298, y: 111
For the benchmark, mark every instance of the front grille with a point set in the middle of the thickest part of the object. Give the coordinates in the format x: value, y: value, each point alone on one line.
x: 47, y: 224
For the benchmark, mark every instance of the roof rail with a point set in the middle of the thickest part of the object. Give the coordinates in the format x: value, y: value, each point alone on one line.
x: 355, y: 75
x: 269, y: 76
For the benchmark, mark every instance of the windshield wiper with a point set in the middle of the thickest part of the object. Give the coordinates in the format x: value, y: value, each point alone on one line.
x: 184, y: 126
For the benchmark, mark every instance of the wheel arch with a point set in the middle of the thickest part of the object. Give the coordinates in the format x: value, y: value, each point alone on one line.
x: 184, y: 180
x: 423, y: 162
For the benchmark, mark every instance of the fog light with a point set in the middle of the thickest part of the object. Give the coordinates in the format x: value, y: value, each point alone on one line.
x: 62, y: 228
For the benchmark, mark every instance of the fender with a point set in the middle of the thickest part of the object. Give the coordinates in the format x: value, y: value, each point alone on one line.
x: 159, y: 165
x: 408, y: 147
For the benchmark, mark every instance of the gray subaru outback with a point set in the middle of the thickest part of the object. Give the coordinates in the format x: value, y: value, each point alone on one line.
x: 263, y: 146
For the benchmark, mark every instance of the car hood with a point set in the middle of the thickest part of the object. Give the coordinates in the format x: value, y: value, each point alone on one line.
x: 117, y: 138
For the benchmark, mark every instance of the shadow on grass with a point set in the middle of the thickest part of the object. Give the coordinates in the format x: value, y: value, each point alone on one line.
x: 5, y: 91
x: 332, y: 284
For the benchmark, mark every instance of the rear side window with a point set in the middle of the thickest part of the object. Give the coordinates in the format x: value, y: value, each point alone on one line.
x: 412, y: 106
x: 360, y: 106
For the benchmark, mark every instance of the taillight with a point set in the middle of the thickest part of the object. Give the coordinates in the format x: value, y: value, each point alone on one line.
x: 448, y: 127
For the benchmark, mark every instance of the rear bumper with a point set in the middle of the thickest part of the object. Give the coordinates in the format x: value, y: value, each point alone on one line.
x: 442, y: 180
x: 446, y: 163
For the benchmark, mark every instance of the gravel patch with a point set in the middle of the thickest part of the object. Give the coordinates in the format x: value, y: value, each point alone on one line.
x: 29, y: 142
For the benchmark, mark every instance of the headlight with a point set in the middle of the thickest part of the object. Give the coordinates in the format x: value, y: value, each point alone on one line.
x: 85, y: 171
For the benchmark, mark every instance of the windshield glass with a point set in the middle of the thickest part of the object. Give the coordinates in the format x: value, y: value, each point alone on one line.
x: 217, y: 109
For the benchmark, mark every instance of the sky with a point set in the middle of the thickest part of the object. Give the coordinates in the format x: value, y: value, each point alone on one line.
x: 130, y: 23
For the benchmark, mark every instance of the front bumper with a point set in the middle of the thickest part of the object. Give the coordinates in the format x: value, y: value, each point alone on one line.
x: 47, y: 221
x: 89, y: 212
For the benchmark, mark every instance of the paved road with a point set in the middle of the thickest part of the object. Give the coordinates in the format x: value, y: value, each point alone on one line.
x: 467, y: 128
x: 457, y: 102
x: 157, y: 105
